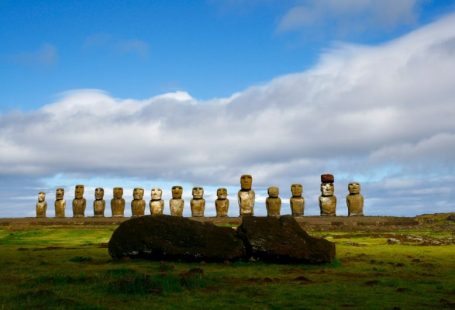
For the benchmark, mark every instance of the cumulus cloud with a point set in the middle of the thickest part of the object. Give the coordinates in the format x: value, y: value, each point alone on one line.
x: 380, y: 114
x: 345, y: 17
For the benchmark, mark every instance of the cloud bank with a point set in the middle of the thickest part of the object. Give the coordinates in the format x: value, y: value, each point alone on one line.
x: 383, y: 115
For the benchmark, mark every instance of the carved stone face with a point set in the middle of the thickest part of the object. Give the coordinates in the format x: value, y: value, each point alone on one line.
x: 138, y: 193
x: 246, y: 182
x: 273, y: 191
x: 157, y: 193
x: 198, y: 192
x: 221, y: 193
x: 354, y: 188
x: 296, y: 190
x: 118, y: 192
x: 327, y: 189
x: 41, y: 197
x: 79, y: 192
x: 59, y: 193
x: 177, y: 192
x: 99, y: 193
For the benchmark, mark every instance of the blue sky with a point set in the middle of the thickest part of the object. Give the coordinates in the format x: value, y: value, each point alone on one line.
x: 156, y: 93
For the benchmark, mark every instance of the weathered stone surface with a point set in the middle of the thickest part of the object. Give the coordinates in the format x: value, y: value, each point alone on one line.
x: 171, y: 237
x: 282, y: 240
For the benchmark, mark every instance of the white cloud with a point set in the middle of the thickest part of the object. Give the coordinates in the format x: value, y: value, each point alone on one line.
x: 349, y: 15
x: 370, y: 113
x: 46, y: 55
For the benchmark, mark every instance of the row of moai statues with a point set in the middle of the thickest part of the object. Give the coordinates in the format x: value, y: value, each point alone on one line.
x: 246, y: 201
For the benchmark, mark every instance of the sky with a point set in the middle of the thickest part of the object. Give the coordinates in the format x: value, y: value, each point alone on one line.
x: 197, y: 93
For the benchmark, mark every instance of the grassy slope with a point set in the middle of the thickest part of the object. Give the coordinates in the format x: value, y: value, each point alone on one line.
x: 65, y: 268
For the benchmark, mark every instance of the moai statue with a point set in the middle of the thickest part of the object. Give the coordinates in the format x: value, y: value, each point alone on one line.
x: 79, y: 202
x: 354, y: 200
x: 198, y: 202
x: 176, y: 204
x: 99, y: 204
x: 41, y: 205
x: 222, y: 203
x: 297, y: 201
x: 156, y: 203
x: 327, y: 200
x: 138, y: 203
x: 118, y: 203
x: 273, y: 202
x: 60, y: 203
x: 246, y: 196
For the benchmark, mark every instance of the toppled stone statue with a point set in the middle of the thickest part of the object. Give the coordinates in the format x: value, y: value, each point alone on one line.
x: 327, y: 200
x: 175, y: 238
x: 118, y: 203
x: 156, y: 203
x: 354, y: 200
x: 273, y: 202
x: 60, y: 202
x: 41, y: 205
x: 282, y: 240
x: 138, y: 202
x: 99, y: 205
x: 198, y: 202
x: 246, y: 196
x: 222, y: 203
x: 297, y: 201
x: 176, y: 204
x: 79, y: 202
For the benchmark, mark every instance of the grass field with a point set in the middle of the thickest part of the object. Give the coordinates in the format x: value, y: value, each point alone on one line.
x: 69, y: 268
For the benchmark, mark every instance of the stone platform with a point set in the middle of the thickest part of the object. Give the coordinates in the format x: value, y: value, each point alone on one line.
x: 307, y: 222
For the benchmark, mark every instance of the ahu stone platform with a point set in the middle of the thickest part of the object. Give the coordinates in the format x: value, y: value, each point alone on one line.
x: 316, y: 223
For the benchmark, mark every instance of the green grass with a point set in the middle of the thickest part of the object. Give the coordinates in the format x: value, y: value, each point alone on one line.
x: 69, y: 268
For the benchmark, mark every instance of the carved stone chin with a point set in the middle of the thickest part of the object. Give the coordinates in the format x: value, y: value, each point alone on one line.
x: 273, y: 202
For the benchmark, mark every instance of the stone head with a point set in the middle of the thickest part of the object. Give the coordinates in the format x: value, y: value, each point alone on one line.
x: 296, y: 190
x: 99, y: 193
x: 221, y: 193
x: 79, y: 191
x: 41, y: 196
x: 246, y: 181
x: 138, y: 193
x: 118, y: 192
x: 327, y: 189
x: 327, y: 178
x: 198, y: 192
x: 157, y: 193
x: 59, y: 193
x: 354, y: 188
x: 177, y: 192
x: 273, y: 192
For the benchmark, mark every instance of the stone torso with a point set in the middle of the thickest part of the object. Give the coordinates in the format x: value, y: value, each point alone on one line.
x: 297, y: 206
x: 138, y: 207
x: 156, y: 207
x: 355, y: 204
x: 222, y: 207
x: 79, y: 207
x: 60, y: 208
x: 328, y: 205
x: 246, y: 202
x: 118, y: 207
x: 41, y: 208
x: 176, y: 206
x: 197, y: 207
x: 273, y: 205
x: 99, y: 207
